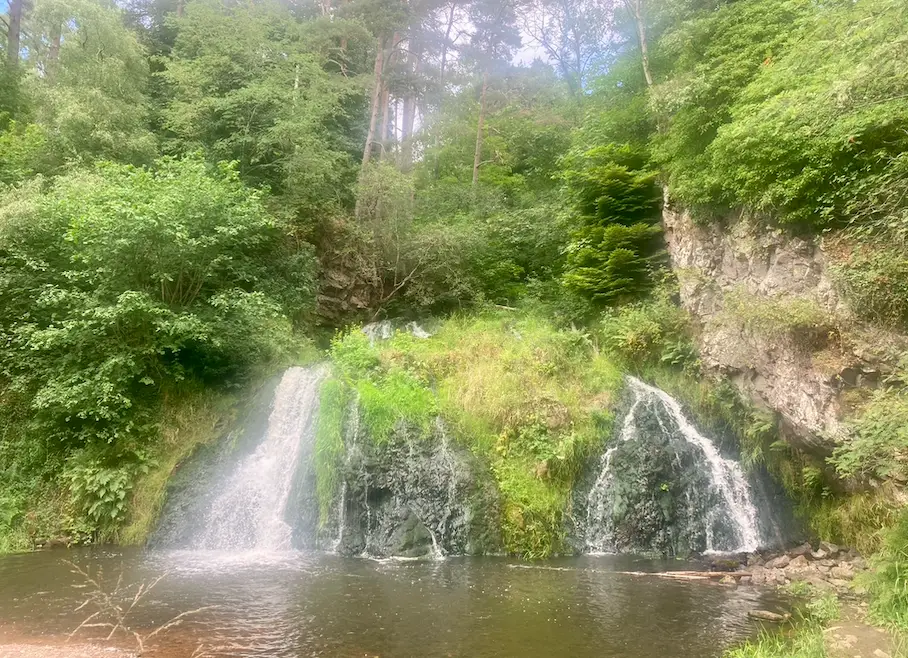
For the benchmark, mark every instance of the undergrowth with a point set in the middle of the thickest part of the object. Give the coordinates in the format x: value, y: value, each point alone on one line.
x: 887, y: 583
x: 189, y: 419
x: 803, y: 638
x: 329, y: 443
x: 527, y: 399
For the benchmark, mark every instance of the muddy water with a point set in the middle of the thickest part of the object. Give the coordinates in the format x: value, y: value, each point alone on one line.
x: 287, y: 605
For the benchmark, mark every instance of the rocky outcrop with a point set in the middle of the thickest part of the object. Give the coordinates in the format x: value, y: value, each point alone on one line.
x: 414, y: 494
x: 769, y: 318
x: 826, y: 567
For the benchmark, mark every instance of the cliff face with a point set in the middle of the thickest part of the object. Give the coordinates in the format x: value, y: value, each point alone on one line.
x: 770, y: 319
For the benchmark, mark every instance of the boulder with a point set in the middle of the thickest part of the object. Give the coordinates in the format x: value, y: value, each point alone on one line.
x: 842, y: 572
x: 831, y: 549
x: 799, y: 562
x: 798, y: 551
x: 819, y: 554
x: 778, y: 563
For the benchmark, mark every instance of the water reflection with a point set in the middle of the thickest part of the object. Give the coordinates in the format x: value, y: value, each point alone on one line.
x: 293, y: 604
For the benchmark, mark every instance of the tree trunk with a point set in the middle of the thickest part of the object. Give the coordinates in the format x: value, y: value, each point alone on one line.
x: 15, y: 28
x: 409, y: 110
x: 181, y: 7
x: 385, y: 120
x: 636, y: 9
x: 376, y: 100
x: 385, y: 133
x: 441, y: 79
x: 53, y: 53
x: 477, y: 156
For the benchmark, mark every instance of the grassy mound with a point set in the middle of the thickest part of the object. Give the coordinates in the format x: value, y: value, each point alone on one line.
x: 532, y: 402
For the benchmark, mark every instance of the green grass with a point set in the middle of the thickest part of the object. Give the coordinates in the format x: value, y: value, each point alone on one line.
x: 887, y: 583
x: 802, y: 639
x: 188, y: 419
x: 334, y: 398
x: 531, y: 401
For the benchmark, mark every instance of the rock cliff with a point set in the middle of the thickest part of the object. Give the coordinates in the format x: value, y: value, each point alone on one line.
x: 770, y: 319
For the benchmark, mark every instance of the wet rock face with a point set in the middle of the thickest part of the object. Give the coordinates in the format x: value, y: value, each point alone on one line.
x: 662, y: 486
x: 742, y: 256
x: 416, y: 494
x: 657, y: 500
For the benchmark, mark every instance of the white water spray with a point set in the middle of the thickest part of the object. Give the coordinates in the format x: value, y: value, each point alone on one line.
x: 249, y: 512
x: 726, y: 478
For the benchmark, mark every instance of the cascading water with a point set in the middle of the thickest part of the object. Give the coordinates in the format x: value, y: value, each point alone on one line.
x: 249, y: 512
x: 672, y: 490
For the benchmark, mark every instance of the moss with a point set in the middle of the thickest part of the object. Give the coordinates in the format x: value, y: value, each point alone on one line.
x: 799, y: 317
x: 189, y: 419
x: 529, y: 400
x: 329, y: 443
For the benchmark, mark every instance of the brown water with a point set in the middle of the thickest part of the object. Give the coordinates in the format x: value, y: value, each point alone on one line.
x: 295, y: 605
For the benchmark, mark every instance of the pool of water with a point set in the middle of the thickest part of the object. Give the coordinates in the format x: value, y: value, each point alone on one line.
x: 288, y: 605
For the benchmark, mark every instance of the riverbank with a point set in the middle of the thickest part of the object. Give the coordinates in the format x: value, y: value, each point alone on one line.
x: 42, y: 650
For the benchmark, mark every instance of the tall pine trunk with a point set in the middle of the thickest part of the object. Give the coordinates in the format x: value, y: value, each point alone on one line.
x: 635, y: 7
x: 409, y: 110
x: 477, y: 156
x: 441, y: 79
x: 13, y: 33
x: 376, y: 101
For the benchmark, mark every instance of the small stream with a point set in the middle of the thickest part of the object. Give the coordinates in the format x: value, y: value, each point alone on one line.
x: 293, y: 604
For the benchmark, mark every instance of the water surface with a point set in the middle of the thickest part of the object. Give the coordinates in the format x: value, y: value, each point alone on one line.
x: 288, y: 605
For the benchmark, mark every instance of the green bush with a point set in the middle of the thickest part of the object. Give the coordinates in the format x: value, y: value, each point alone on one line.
x: 888, y: 581
x: 119, y: 282
x: 649, y: 332
x: 99, y: 489
x: 878, y: 445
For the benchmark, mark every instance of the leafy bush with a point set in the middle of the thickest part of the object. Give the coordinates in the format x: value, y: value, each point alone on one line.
x: 773, y: 106
x: 118, y: 283
x: 99, y: 490
x: 616, y: 248
x: 878, y: 445
x: 650, y: 331
x: 888, y: 582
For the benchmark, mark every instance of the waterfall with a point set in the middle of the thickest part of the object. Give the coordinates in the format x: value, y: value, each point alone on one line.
x: 249, y: 512
x: 690, y: 493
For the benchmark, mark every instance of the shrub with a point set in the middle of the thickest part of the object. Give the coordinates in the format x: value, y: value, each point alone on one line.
x: 888, y: 582
x: 878, y: 445
x: 649, y: 332
x: 617, y: 246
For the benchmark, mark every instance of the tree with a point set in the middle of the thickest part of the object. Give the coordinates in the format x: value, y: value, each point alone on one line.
x: 618, y: 241
x: 249, y: 83
x: 13, y: 32
x: 494, y: 39
x: 576, y: 35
